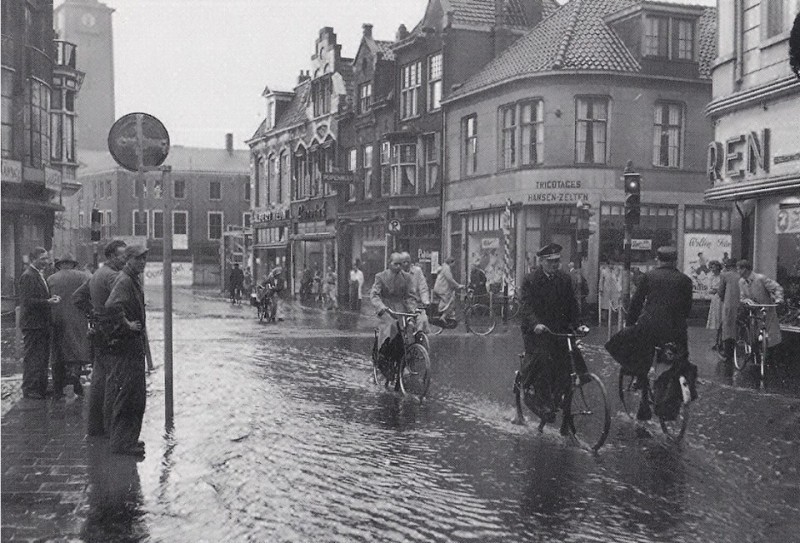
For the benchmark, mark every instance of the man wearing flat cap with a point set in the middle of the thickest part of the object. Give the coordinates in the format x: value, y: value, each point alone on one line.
x: 548, y: 305
x: 70, y: 342
x: 126, y: 381
x: 656, y: 316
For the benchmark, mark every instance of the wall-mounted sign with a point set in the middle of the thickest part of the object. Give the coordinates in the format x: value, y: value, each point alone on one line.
x: 739, y: 157
x: 557, y: 191
x: 12, y: 171
x: 52, y: 179
x: 312, y: 212
x: 788, y: 221
x: 261, y: 215
x: 642, y: 244
x: 338, y: 178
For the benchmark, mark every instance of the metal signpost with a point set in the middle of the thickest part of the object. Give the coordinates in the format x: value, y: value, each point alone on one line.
x: 140, y: 143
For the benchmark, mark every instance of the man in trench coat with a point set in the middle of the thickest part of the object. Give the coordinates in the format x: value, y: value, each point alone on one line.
x: 70, y: 327
x: 729, y: 294
x: 760, y: 289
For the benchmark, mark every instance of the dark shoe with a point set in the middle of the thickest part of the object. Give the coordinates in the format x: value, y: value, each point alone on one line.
x: 644, y: 412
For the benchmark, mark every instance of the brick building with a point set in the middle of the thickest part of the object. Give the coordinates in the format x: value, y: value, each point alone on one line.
x: 39, y: 84
x: 209, y: 195
x: 754, y: 158
x: 553, y: 121
x: 391, y: 135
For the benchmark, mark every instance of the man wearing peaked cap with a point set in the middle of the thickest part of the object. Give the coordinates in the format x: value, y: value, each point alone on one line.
x: 548, y: 305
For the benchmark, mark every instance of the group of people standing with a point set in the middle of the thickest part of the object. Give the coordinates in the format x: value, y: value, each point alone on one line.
x: 97, y: 318
x: 731, y: 289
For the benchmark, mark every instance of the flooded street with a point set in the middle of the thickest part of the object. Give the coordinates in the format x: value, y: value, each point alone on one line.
x: 280, y: 435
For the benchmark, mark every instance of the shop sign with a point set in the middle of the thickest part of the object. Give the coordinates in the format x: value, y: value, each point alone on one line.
x: 698, y: 250
x: 182, y: 275
x: 12, y: 171
x: 788, y: 221
x: 316, y: 212
x: 641, y: 244
x: 52, y: 179
x: 338, y: 178
x: 739, y: 157
x: 557, y: 191
x: 263, y: 215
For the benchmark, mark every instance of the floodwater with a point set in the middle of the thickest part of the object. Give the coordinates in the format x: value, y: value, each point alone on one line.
x: 281, y: 435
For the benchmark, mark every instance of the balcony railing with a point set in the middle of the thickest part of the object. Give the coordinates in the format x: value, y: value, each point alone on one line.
x: 66, y: 54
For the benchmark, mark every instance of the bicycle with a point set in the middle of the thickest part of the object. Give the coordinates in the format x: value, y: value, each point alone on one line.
x: 478, y: 317
x: 505, y: 306
x: 752, y: 337
x: 409, y: 373
x: 264, y: 309
x: 664, y: 358
x: 586, y: 415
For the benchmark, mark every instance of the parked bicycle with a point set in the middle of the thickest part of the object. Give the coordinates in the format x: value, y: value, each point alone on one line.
x: 478, y: 317
x: 409, y: 372
x: 752, y: 337
x: 584, y: 406
x: 674, y: 418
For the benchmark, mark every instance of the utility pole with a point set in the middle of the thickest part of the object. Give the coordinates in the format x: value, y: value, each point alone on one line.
x: 632, y: 182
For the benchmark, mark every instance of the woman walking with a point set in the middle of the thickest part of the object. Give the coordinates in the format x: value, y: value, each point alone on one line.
x: 714, y: 321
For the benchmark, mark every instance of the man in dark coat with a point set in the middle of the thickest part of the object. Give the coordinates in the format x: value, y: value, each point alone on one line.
x: 91, y: 299
x: 35, y: 303
x: 236, y: 281
x: 126, y: 317
x: 548, y: 302
x: 657, y: 315
x: 70, y: 327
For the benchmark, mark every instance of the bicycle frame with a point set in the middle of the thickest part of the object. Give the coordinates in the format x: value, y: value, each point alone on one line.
x: 758, y: 332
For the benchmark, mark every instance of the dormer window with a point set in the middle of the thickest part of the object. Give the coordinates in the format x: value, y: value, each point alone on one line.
x: 270, y: 114
x: 668, y: 38
x: 321, y: 95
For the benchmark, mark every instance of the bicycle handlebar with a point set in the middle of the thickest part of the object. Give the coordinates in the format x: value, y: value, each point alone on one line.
x: 758, y: 306
x: 582, y: 331
x: 399, y: 314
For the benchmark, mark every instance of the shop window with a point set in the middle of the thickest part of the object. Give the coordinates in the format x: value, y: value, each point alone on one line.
x: 158, y: 224
x: 7, y: 114
x: 431, y: 153
x: 788, y: 263
x: 667, y: 132
x: 365, y: 97
x: 214, y: 190
x: 697, y: 219
x: 508, y: 137
x: 179, y: 189
x: 469, y: 137
x: 658, y: 227
x: 532, y: 124
x: 214, y: 225
x: 141, y: 223
x: 386, y: 169
x: 404, y: 169
x: 410, y: 82
x: 366, y: 155
x: 434, y: 81
x: 590, y: 130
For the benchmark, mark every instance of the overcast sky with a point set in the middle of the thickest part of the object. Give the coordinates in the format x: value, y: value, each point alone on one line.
x: 201, y: 65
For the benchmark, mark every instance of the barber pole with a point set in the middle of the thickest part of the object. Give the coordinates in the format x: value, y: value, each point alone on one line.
x: 508, y: 276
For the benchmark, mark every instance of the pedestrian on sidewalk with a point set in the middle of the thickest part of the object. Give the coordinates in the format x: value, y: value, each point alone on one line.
x: 35, y: 303
x: 329, y: 290
x: 729, y: 294
x: 714, y: 320
x: 126, y: 315
x: 70, y: 326
x: 356, y: 284
x: 91, y: 299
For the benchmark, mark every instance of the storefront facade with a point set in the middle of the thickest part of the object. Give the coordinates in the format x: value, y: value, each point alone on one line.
x: 313, y: 238
x: 753, y: 160
x: 271, y: 230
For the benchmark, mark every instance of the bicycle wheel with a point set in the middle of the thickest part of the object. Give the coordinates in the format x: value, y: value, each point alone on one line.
x: 261, y: 311
x: 422, y: 339
x: 675, y: 429
x: 513, y: 308
x: 760, y: 354
x: 479, y: 320
x: 741, y: 354
x: 588, y: 408
x: 376, y: 372
x: 416, y: 375
x: 628, y: 395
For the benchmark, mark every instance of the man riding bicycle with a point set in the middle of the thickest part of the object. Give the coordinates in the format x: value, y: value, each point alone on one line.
x: 548, y: 304
x: 657, y: 316
x: 272, y: 285
x: 391, y: 291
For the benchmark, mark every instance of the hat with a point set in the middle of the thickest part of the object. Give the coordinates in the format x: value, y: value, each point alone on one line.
x: 67, y: 257
x: 133, y: 251
x: 550, y: 251
x: 667, y: 253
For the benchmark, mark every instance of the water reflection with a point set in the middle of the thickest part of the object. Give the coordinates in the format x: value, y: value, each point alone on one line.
x: 116, y: 511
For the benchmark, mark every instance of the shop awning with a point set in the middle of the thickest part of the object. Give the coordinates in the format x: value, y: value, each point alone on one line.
x: 262, y: 246
x: 313, y: 236
x: 30, y: 206
x: 752, y: 189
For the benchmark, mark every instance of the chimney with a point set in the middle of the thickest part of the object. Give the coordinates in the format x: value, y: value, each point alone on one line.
x: 229, y: 143
x: 303, y: 76
x: 367, y: 30
x: 402, y: 33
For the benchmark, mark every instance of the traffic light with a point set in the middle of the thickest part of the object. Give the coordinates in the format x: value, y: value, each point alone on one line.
x: 632, y: 197
x: 95, y: 225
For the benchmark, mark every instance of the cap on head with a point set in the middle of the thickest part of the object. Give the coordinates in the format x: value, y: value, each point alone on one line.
x: 667, y: 253
x: 134, y: 251
x: 551, y: 251
x: 65, y: 259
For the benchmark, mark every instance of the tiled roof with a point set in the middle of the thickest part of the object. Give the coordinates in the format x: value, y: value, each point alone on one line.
x: 577, y: 37
x: 182, y: 159
x: 385, y: 47
x: 481, y: 12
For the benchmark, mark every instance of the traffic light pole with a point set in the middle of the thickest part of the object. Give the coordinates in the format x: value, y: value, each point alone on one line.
x: 169, y: 413
x: 626, y: 276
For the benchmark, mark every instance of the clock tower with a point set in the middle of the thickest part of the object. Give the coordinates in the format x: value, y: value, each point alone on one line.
x: 87, y: 24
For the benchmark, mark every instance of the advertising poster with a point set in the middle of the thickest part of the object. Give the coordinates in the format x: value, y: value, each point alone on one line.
x: 698, y: 250
x: 181, y: 274
x: 487, y: 251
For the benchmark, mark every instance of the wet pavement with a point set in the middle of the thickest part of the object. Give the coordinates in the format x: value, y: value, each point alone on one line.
x: 280, y: 435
